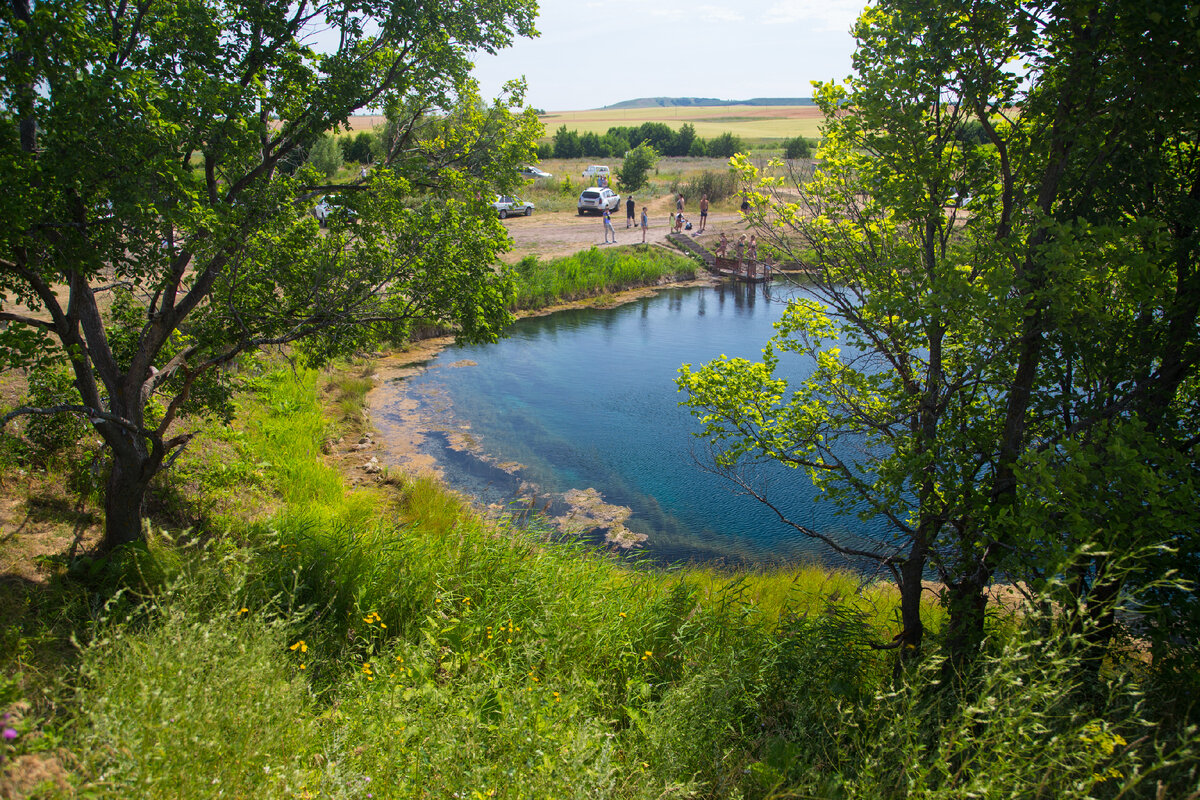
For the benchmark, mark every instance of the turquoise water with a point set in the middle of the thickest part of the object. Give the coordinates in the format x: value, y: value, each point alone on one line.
x: 587, y: 399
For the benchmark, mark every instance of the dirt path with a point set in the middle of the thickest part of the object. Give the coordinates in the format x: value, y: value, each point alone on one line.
x: 560, y: 233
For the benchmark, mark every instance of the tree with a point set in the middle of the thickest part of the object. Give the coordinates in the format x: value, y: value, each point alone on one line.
x: 724, y: 146
x: 656, y: 134
x: 617, y: 140
x: 683, y: 140
x: 799, y: 147
x: 638, y: 163
x: 360, y: 148
x: 567, y: 144
x: 326, y: 156
x: 591, y: 145
x: 969, y: 363
x: 1114, y: 409
x: 149, y: 147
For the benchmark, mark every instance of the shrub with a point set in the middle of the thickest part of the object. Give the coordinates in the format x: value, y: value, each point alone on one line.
x: 725, y: 146
x: 798, y: 147
x: 717, y: 185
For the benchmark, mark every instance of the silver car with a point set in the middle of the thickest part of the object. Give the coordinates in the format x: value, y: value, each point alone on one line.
x: 597, y: 199
x: 511, y: 206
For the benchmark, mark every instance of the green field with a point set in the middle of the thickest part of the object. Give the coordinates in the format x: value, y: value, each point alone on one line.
x: 752, y: 123
x: 755, y: 124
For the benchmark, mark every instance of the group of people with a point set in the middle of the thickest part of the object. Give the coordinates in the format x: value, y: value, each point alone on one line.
x: 630, y: 210
x: 678, y: 222
x: 746, y: 250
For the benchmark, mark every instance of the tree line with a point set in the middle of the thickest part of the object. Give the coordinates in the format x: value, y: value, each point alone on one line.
x: 619, y: 140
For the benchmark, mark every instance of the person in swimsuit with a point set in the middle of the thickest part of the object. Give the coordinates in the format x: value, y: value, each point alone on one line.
x: 723, y: 245
x: 645, y: 223
x: 703, y: 213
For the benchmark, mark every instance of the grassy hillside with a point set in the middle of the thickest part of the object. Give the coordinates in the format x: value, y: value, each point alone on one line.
x: 286, y: 633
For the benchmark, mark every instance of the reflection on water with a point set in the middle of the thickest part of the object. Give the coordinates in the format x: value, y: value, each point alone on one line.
x: 577, y: 413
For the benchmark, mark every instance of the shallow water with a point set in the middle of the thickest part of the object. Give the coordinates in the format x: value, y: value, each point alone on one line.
x: 586, y: 399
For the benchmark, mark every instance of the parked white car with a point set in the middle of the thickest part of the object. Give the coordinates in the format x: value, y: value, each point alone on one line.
x: 330, y: 208
x: 534, y: 172
x: 597, y: 199
x: 595, y: 171
x: 511, y: 206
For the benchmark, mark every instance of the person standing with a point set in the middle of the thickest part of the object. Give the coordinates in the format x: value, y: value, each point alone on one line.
x: 608, y: 228
x: 723, y: 245
x: 645, y: 223
x: 630, y: 208
x: 679, y: 204
x: 703, y: 213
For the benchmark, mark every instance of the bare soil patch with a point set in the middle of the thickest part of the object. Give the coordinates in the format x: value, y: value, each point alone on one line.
x: 558, y: 233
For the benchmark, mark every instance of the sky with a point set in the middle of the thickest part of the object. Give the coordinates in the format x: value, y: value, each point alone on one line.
x: 591, y: 54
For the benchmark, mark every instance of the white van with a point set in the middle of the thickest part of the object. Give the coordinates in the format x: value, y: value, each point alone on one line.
x: 596, y: 170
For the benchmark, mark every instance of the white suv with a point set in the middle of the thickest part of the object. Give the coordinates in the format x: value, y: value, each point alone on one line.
x: 597, y: 199
x: 595, y: 171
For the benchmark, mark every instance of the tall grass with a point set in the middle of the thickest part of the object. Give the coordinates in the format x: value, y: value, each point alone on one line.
x: 360, y: 644
x: 594, y: 272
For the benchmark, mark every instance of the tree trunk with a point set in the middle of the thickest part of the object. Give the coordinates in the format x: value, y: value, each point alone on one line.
x: 123, y: 499
x: 913, y: 630
x: 966, y: 603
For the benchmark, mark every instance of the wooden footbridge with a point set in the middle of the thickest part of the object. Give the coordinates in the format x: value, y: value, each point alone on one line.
x: 741, y: 270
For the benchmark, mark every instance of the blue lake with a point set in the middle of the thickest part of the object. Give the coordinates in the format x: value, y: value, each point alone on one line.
x: 586, y: 400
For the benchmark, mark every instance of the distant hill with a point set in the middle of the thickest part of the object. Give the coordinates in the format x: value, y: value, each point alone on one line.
x: 664, y: 102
